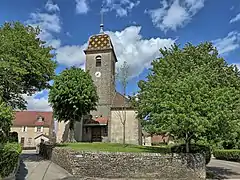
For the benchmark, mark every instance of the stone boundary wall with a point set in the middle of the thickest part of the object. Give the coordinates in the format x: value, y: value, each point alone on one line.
x: 130, y: 165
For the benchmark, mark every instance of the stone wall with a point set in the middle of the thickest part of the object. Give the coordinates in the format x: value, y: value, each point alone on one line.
x: 130, y: 165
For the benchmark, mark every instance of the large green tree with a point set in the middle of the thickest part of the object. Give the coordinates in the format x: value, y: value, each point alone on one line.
x: 191, y: 93
x: 72, y: 96
x: 26, y: 64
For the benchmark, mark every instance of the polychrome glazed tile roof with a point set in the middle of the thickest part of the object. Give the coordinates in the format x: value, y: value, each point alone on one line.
x: 99, y: 42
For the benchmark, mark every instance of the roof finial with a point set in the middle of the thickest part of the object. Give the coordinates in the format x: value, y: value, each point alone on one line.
x: 101, y: 25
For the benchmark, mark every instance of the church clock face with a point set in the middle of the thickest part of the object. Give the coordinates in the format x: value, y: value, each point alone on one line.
x: 97, y: 74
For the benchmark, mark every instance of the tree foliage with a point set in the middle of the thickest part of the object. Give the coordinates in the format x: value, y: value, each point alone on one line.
x: 6, y: 117
x: 25, y: 63
x: 191, y: 93
x: 73, y: 95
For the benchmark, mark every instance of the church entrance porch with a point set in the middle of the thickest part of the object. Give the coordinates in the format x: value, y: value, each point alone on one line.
x: 95, y: 130
x: 94, y: 133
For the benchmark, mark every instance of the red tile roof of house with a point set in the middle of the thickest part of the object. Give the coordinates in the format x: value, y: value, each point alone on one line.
x: 102, y: 120
x: 97, y: 121
x: 29, y: 118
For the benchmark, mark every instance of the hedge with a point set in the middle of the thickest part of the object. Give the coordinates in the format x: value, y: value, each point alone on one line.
x: 194, y: 148
x: 9, y: 157
x: 227, y: 154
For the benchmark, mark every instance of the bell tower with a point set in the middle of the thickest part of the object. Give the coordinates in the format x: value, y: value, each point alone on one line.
x: 100, y: 62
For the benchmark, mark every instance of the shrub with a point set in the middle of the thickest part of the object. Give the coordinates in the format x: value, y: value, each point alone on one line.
x: 227, y: 154
x: 9, y: 155
x: 194, y: 148
x: 13, y: 137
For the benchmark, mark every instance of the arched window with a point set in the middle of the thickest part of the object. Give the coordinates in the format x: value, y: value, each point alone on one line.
x: 98, y: 61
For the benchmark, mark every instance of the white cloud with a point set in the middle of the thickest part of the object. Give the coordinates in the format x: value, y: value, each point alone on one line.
x: 235, y: 19
x: 175, y: 13
x: 129, y: 46
x: 51, y: 7
x: 122, y: 7
x: 237, y: 64
x: 49, y: 23
x: 229, y: 43
x: 71, y: 55
x: 82, y: 6
x: 37, y: 104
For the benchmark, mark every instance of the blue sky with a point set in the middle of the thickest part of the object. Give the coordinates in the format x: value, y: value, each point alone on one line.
x: 138, y: 28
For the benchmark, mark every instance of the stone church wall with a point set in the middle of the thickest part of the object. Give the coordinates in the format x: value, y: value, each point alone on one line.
x: 130, y: 165
x: 132, y: 127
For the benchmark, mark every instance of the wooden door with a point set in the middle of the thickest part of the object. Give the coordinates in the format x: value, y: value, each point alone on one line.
x: 96, y: 134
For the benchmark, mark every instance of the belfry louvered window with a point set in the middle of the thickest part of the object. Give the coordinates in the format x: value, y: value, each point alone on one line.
x: 98, y: 61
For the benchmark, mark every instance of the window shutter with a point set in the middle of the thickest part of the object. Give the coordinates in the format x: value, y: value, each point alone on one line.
x: 35, y: 129
x: 26, y: 129
x: 22, y: 128
x: 42, y: 129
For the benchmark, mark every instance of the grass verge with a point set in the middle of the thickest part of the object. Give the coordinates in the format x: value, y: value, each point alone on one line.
x: 111, y: 147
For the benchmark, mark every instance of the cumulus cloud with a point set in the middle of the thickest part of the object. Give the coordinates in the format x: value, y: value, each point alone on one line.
x: 71, y: 55
x: 235, y: 19
x: 175, y: 13
x: 51, y: 7
x: 122, y: 8
x: 129, y: 46
x: 37, y: 103
x: 49, y: 23
x: 82, y: 6
x: 229, y: 43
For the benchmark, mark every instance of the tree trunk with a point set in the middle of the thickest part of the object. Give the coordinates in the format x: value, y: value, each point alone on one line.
x: 71, y: 132
x: 187, y: 142
x: 124, y: 128
x: 124, y: 119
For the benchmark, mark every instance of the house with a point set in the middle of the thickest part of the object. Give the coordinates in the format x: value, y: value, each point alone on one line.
x: 32, y: 126
x: 156, y: 139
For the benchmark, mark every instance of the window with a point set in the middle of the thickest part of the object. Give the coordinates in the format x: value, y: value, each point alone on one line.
x: 39, y: 128
x: 98, y: 61
x: 22, y: 141
x: 40, y: 119
x: 24, y: 129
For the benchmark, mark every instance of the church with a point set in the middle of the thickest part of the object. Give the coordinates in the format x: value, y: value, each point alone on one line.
x: 106, y: 124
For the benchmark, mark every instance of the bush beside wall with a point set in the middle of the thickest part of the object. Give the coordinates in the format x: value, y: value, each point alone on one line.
x: 194, y: 148
x: 227, y: 154
x: 9, y: 158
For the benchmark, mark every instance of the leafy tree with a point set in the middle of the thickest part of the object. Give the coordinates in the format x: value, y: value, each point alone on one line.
x: 25, y: 63
x: 191, y: 93
x: 72, y: 96
x: 6, y: 117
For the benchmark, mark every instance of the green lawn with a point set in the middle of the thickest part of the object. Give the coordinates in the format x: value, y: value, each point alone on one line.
x: 111, y: 147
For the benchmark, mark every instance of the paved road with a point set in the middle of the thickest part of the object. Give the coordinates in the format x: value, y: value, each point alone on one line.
x: 225, y: 169
x: 33, y: 167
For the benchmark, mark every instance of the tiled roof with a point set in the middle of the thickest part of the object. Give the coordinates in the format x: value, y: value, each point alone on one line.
x: 102, y: 120
x: 99, y: 120
x: 99, y: 42
x: 29, y: 118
